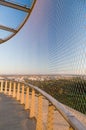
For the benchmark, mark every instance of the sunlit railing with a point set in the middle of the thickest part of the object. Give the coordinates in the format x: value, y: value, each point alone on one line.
x: 34, y: 99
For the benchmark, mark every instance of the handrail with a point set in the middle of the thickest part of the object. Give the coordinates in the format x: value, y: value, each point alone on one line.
x: 70, y: 118
x: 74, y: 123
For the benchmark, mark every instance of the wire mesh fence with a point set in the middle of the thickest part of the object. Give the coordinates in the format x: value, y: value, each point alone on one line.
x: 71, y: 92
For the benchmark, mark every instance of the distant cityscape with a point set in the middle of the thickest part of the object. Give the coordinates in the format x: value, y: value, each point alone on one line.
x: 40, y: 77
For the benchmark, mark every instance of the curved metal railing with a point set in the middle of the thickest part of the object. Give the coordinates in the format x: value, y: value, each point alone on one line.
x: 28, y: 95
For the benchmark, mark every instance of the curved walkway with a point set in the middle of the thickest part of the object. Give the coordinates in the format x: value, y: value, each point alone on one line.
x: 13, y: 116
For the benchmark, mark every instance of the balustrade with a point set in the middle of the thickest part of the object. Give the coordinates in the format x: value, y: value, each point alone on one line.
x: 27, y: 95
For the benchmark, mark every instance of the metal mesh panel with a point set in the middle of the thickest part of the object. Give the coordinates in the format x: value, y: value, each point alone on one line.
x: 69, y: 92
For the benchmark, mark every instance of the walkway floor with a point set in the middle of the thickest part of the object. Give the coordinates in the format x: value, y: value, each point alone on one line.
x: 13, y: 116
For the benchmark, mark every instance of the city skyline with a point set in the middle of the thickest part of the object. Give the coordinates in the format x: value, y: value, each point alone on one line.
x: 53, y: 41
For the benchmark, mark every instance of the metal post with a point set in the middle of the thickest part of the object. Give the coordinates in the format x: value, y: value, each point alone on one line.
x: 5, y: 87
x: 50, y: 117
x: 22, y: 95
x: 39, y: 125
x: 10, y: 87
x: 18, y: 92
x: 14, y: 90
x: 27, y: 99
x: 32, y: 113
x: 1, y: 86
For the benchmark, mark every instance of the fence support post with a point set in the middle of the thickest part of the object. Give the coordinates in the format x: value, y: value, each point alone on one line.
x: 1, y: 86
x: 5, y: 87
x: 22, y: 95
x: 50, y: 117
x: 27, y: 99
x: 32, y: 113
x: 14, y: 90
x: 18, y: 92
x: 10, y: 87
x: 39, y: 125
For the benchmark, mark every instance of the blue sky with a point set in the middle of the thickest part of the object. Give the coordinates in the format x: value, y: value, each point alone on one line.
x: 53, y: 40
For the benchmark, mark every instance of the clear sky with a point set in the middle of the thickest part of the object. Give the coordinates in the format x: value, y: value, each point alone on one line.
x: 53, y: 40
